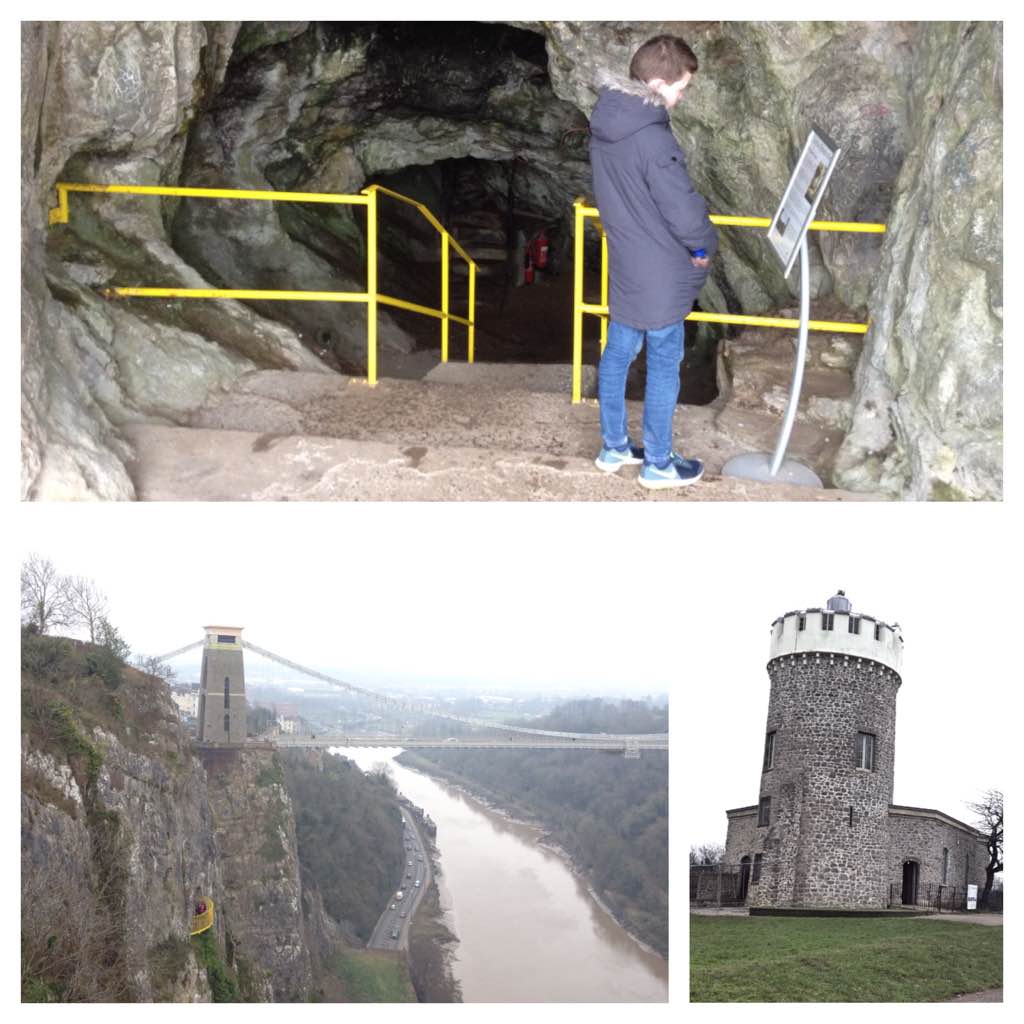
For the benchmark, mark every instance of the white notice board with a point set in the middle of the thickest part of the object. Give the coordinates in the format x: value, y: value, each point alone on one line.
x: 802, y: 196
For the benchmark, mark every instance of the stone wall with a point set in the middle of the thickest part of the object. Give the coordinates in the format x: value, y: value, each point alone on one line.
x: 921, y: 835
x: 827, y: 840
x: 744, y: 838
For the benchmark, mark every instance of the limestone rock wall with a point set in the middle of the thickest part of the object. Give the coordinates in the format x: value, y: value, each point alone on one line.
x: 255, y: 829
x: 928, y: 413
x: 118, y: 855
x: 112, y: 102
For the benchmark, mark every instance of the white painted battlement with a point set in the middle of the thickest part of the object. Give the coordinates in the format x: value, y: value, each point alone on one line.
x: 837, y: 629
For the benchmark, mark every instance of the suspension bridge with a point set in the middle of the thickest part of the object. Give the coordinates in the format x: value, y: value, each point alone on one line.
x: 497, y: 734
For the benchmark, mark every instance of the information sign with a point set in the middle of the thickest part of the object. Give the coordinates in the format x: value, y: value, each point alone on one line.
x: 803, y: 193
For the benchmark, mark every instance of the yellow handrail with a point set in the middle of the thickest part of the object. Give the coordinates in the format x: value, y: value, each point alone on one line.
x: 200, y: 922
x: 584, y: 211
x: 368, y: 198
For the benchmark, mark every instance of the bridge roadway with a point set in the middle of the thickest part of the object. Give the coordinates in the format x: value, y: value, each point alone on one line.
x: 595, y: 741
x: 631, y: 746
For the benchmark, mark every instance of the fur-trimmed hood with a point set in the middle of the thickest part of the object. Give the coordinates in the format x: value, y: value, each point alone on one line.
x: 624, y: 106
x: 630, y: 86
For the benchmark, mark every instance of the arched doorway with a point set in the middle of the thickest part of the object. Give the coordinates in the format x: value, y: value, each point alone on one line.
x: 911, y: 874
x: 744, y: 878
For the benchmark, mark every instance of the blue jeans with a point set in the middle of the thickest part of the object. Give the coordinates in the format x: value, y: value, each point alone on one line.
x: 664, y: 354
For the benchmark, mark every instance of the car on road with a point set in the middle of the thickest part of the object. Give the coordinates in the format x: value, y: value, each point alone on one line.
x: 394, y: 933
x: 417, y: 883
x: 403, y: 913
x: 393, y: 906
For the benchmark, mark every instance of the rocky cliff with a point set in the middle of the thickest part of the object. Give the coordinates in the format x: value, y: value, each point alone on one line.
x: 917, y: 108
x: 126, y: 826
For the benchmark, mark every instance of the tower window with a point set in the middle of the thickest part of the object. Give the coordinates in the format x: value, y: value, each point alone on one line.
x: 827, y: 620
x: 801, y: 622
x: 866, y: 751
x: 221, y: 639
x: 227, y: 693
x: 755, y: 876
x: 764, y: 811
x: 227, y: 724
x: 769, y: 752
x: 878, y: 631
x: 853, y: 625
x: 945, y: 865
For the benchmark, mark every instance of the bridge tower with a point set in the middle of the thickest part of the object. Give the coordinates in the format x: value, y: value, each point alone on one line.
x: 222, y: 687
x: 827, y: 775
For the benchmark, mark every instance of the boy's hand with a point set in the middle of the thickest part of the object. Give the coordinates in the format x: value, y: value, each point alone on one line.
x: 700, y: 261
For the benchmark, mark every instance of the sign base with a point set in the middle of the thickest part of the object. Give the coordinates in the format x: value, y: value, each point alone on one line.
x: 758, y: 466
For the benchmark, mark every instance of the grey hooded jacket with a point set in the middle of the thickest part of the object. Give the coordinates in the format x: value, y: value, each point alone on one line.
x: 651, y: 214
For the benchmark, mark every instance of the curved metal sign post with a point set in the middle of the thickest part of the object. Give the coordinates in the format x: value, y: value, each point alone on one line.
x: 788, y: 236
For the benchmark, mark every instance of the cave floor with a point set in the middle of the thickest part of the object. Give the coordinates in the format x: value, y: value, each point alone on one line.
x: 463, y: 433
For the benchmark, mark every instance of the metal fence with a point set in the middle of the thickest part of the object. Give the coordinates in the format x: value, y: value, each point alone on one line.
x: 719, y: 885
x: 372, y: 297
x: 948, y: 898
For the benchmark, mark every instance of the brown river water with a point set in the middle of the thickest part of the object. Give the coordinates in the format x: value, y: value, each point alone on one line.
x: 528, y: 931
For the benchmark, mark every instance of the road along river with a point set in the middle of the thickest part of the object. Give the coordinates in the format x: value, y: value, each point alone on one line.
x: 528, y: 931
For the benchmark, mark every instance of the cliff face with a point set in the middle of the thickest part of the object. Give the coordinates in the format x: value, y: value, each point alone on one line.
x: 125, y: 828
x: 255, y: 830
x: 117, y: 838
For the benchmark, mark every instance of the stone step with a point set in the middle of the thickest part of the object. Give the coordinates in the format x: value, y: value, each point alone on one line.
x: 189, y: 464
x: 539, y: 377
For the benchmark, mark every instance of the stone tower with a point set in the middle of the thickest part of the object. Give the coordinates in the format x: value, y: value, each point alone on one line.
x: 827, y: 775
x: 222, y: 687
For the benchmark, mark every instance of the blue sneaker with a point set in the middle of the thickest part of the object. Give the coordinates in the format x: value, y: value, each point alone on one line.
x: 610, y: 459
x: 679, y: 472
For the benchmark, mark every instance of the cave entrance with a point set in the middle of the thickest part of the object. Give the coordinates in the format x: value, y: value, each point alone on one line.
x: 495, y: 209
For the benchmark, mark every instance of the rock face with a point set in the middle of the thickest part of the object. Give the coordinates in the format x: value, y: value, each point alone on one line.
x: 125, y: 828
x: 255, y: 831
x: 928, y: 418
x: 117, y: 844
x: 916, y: 107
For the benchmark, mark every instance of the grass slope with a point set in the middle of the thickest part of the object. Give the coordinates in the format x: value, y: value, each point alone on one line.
x: 373, y: 977
x: 804, y: 959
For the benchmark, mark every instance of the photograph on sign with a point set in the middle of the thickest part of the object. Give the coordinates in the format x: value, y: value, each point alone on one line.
x: 802, y: 196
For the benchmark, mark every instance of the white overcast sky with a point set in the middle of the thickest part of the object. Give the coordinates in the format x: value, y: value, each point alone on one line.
x: 677, y: 599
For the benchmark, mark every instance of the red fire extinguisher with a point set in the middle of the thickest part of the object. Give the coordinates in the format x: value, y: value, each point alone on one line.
x: 539, y: 248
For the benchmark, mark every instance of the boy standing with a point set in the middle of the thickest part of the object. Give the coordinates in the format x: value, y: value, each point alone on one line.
x: 660, y: 243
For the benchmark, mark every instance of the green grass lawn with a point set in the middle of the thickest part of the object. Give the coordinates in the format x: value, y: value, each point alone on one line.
x: 840, y: 959
x: 371, y: 977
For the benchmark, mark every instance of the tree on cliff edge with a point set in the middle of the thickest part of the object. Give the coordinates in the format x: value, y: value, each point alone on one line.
x: 44, y: 603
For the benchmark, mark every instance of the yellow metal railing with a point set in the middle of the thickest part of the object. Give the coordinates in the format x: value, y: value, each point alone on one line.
x: 367, y: 198
x: 583, y: 212
x: 201, y: 922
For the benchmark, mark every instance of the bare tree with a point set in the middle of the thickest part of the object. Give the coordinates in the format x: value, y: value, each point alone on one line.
x: 44, y: 601
x: 706, y: 853
x: 155, y: 667
x: 989, y: 819
x: 87, y: 606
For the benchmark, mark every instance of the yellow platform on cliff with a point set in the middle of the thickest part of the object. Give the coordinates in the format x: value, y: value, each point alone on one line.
x: 204, y: 920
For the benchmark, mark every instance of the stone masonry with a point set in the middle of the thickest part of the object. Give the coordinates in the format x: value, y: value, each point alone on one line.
x: 824, y: 832
x: 222, y: 687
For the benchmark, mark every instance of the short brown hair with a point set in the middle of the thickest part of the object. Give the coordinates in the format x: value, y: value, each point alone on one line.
x: 664, y: 57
